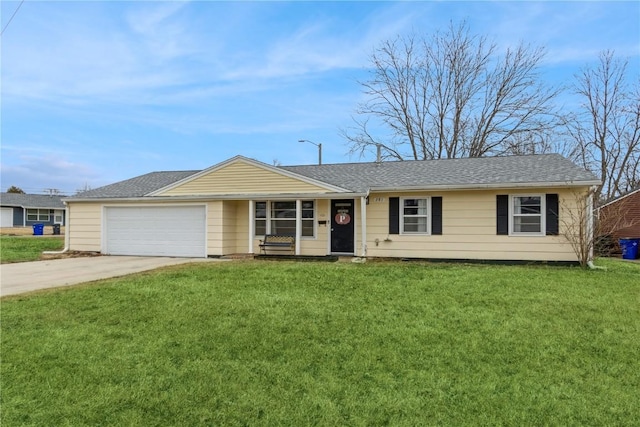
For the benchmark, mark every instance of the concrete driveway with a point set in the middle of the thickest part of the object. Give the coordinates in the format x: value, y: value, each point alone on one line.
x: 30, y: 276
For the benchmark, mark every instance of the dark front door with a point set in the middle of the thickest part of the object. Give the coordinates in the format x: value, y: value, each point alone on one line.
x: 342, y: 226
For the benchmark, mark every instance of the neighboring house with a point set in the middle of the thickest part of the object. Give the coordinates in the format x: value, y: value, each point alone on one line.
x: 24, y: 210
x: 622, y: 216
x: 495, y: 208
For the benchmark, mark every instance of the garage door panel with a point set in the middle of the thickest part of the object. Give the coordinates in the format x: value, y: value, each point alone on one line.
x: 6, y: 217
x: 156, y: 231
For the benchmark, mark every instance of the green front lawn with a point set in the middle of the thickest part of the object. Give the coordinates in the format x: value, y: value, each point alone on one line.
x: 27, y: 248
x: 282, y: 343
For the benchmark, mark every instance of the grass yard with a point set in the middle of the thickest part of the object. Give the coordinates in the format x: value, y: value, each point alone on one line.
x: 27, y: 248
x: 297, y: 344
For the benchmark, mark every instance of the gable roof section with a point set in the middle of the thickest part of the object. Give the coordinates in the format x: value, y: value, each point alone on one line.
x: 31, y: 201
x: 240, y: 175
x: 624, y: 196
x: 545, y: 170
x: 481, y: 172
x: 136, y: 187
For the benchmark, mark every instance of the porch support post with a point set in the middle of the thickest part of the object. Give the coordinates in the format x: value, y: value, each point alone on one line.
x: 298, y: 225
x: 252, y: 224
x: 67, y: 229
x: 363, y: 223
x: 590, y: 230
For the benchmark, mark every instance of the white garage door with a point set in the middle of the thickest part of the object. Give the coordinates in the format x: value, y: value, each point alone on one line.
x: 6, y: 217
x: 156, y: 231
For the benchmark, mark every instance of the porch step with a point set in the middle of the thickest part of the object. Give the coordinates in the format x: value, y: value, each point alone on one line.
x: 238, y: 256
x: 327, y: 258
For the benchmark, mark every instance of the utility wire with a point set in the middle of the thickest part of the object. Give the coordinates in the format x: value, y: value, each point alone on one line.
x: 9, y: 21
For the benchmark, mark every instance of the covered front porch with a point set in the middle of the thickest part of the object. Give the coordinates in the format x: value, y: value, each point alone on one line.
x: 319, y: 225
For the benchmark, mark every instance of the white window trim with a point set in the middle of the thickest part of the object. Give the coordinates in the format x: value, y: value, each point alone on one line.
x: 38, y: 213
x: 268, y: 218
x: 543, y: 210
x: 58, y: 213
x: 401, y: 213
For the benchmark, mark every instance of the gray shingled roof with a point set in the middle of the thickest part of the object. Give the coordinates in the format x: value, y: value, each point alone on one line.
x: 31, y: 201
x: 361, y: 177
x: 136, y: 187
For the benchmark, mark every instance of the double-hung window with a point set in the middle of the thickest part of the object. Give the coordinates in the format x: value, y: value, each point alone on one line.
x: 414, y: 215
x: 527, y: 214
x: 279, y: 217
x: 38, y: 215
x: 283, y: 218
x: 260, y: 218
x: 308, y: 218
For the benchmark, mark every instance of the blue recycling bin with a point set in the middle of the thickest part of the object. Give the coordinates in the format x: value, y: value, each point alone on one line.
x: 629, y: 248
x: 38, y: 229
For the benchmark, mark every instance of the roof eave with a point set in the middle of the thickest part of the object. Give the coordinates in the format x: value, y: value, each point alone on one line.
x: 32, y: 207
x: 617, y: 199
x: 442, y: 187
x: 208, y: 197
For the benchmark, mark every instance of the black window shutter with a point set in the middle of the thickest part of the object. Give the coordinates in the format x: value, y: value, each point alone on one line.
x: 553, y: 209
x: 436, y: 215
x: 502, y: 211
x: 394, y: 215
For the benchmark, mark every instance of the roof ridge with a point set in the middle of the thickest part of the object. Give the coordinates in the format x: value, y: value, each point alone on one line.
x: 428, y: 160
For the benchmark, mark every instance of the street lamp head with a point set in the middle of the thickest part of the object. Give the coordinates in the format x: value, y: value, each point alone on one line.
x: 306, y: 140
x: 319, y: 145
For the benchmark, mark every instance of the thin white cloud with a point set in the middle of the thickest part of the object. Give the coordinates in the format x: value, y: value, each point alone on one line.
x: 149, y: 53
x: 95, y: 57
x: 35, y: 173
x: 571, y: 32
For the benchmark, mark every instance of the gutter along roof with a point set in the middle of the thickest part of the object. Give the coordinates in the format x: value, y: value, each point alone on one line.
x: 546, y: 170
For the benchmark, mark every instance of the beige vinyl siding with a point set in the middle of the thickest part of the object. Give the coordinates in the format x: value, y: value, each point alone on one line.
x: 84, y: 226
x: 226, y: 232
x: 243, y: 178
x: 318, y: 246
x: 468, y: 230
x: 215, y: 232
x: 236, y: 227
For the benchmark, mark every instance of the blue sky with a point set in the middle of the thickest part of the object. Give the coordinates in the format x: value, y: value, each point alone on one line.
x: 95, y: 92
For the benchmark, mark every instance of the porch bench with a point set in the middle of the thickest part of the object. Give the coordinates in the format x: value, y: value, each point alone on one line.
x: 278, y: 242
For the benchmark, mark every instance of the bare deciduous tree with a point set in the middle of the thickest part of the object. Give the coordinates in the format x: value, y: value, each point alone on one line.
x: 605, y: 132
x: 452, y: 96
x: 589, y: 231
x: 578, y: 225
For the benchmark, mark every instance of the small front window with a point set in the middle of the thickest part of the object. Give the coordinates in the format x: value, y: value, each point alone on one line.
x: 415, y: 215
x: 38, y: 215
x: 526, y: 214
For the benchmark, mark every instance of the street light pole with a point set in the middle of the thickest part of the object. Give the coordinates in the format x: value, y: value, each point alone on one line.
x: 319, y: 145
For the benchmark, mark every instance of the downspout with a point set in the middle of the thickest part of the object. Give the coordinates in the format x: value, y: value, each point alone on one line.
x: 66, y: 234
x: 298, y: 226
x: 363, y: 222
x: 252, y: 225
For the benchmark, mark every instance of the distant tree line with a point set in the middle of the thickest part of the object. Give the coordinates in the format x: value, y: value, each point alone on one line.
x: 15, y: 190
